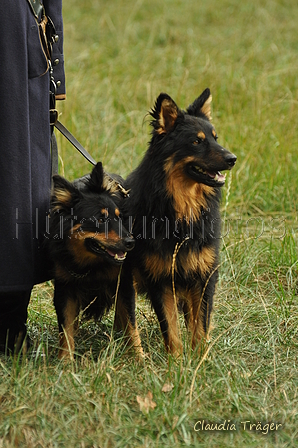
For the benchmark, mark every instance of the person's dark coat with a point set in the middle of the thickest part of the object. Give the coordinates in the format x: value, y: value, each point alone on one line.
x: 25, y: 161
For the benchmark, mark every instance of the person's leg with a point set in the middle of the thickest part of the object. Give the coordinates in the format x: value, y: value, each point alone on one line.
x: 13, y: 317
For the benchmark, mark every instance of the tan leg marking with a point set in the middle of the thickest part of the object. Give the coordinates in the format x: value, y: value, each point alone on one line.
x: 131, y: 332
x: 196, y: 317
x: 67, y: 344
x: 173, y: 343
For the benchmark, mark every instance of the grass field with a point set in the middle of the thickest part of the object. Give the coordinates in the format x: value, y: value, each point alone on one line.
x: 119, y: 56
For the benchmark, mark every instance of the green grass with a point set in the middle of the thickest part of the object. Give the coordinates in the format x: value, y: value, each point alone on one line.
x: 119, y: 56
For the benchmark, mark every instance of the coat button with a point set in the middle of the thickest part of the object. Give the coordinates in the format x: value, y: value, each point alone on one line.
x: 56, y: 62
x: 56, y: 38
x: 58, y: 83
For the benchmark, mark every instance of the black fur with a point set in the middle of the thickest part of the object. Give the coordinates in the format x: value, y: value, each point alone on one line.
x: 88, y: 244
x: 174, y: 209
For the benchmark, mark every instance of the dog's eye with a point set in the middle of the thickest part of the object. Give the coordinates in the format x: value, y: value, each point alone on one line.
x: 214, y: 135
x: 198, y: 141
x: 200, y: 137
x: 102, y: 219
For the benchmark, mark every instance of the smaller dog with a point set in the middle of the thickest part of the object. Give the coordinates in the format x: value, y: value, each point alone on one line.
x: 88, y: 244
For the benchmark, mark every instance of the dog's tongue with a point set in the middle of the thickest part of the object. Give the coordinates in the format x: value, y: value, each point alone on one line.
x: 118, y: 255
x: 216, y: 174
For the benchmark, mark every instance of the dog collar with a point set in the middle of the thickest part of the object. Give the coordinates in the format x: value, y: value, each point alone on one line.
x: 76, y: 275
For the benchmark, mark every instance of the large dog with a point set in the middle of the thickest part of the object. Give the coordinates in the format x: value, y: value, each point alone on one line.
x: 88, y: 244
x: 173, y: 208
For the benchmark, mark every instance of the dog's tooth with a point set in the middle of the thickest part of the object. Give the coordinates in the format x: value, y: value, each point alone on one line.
x: 120, y: 258
x: 199, y: 169
x: 219, y: 177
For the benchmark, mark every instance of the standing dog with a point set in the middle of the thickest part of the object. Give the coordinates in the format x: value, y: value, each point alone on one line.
x: 88, y: 244
x: 174, y: 216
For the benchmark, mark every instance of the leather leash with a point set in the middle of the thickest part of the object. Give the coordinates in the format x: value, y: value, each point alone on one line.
x: 64, y: 131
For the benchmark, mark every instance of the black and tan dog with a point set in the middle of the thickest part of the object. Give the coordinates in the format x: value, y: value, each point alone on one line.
x: 88, y: 244
x: 174, y: 214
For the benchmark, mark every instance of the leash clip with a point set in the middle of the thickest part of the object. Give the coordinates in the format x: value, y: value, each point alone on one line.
x: 53, y: 117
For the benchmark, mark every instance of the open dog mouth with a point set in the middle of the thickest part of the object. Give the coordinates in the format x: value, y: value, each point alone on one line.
x: 214, y: 177
x: 99, y: 249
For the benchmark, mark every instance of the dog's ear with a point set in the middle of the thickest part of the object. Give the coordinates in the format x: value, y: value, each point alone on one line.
x: 96, y: 179
x: 164, y: 113
x: 63, y: 195
x: 201, y: 107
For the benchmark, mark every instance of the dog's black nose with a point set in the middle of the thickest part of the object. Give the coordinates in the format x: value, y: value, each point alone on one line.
x: 129, y: 243
x: 231, y: 160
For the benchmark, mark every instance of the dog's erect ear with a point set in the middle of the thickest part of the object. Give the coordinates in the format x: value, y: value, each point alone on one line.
x: 165, y: 113
x: 63, y: 193
x: 96, y: 178
x: 201, y: 107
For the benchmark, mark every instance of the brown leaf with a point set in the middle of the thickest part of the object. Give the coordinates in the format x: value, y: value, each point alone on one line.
x: 167, y: 387
x: 146, y: 403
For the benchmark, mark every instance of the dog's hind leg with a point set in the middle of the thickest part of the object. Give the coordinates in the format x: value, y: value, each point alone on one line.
x: 67, y: 309
x: 125, y: 318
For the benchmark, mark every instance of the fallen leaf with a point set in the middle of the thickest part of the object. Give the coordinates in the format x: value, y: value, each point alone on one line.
x: 167, y: 387
x: 146, y: 403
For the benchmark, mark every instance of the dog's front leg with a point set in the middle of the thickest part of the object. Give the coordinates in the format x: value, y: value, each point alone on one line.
x: 67, y: 309
x: 201, y: 298
x: 165, y: 307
